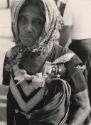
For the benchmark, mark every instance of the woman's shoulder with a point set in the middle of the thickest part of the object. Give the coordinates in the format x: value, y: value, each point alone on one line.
x: 60, y: 50
x: 67, y: 54
x: 11, y: 52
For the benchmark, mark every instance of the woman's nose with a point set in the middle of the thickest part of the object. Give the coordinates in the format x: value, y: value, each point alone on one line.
x: 29, y: 27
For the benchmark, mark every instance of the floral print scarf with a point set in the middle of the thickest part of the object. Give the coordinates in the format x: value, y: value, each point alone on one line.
x: 49, y: 35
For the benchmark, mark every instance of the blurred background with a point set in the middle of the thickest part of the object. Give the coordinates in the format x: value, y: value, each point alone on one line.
x: 5, y: 44
x: 5, y: 31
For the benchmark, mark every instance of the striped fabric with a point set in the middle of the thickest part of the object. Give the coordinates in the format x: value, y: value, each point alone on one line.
x: 3, y: 101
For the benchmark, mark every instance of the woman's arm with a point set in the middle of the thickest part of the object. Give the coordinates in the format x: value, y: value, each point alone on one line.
x: 82, y: 102
x: 80, y: 99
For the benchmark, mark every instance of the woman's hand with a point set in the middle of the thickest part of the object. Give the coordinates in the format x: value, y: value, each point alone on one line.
x: 21, y: 75
x: 38, y: 80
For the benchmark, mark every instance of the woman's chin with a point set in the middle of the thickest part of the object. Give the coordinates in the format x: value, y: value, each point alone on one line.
x: 28, y: 43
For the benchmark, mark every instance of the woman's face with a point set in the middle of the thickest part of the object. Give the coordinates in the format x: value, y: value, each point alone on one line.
x: 30, y: 24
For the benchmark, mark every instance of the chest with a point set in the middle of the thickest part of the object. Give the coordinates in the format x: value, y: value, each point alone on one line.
x: 32, y: 64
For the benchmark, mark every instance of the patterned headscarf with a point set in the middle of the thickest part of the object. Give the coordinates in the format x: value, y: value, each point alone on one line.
x: 49, y: 35
x: 53, y: 24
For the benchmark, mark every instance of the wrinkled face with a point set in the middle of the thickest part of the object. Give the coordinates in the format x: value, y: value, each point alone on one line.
x: 30, y: 23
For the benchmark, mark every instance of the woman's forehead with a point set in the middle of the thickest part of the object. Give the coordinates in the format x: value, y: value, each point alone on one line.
x: 32, y: 8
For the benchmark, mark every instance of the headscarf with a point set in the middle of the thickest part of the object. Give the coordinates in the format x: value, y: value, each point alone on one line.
x: 49, y: 35
x: 53, y: 23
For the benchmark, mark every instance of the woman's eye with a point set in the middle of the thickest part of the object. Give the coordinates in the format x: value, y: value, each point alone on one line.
x: 22, y: 20
x: 38, y: 22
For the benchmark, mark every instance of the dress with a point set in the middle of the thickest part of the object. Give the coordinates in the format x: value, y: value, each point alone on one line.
x: 49, y: 103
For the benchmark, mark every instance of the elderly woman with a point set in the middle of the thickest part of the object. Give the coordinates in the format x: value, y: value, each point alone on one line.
x: 42, y: 76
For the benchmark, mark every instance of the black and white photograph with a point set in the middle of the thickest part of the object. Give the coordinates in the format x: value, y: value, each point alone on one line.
x: 45, y: 62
